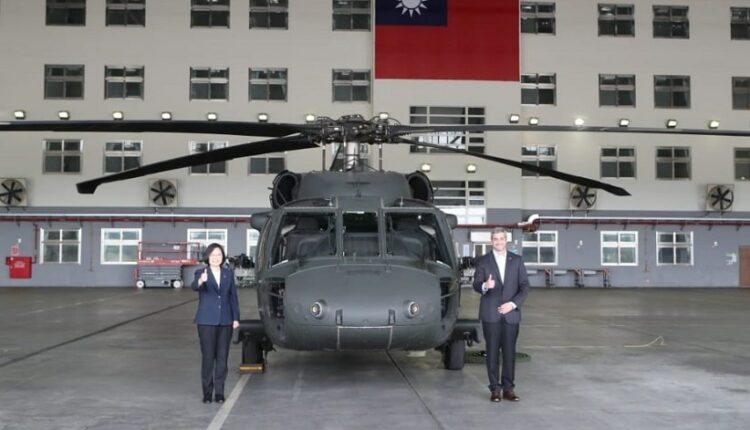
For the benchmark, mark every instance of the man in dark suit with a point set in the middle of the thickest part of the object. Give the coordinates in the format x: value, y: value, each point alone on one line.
x: 500, y: 276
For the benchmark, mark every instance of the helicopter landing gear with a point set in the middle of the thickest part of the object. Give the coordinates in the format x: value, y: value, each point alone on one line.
x: 254, y: 346
x: 454, y: 354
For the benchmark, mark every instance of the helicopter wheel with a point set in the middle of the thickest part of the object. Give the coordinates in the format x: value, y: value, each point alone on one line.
x: 454, y: 354
x: 252, y: 352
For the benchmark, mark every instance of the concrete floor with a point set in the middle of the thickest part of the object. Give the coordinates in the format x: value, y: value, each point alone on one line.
x: 121, y: 359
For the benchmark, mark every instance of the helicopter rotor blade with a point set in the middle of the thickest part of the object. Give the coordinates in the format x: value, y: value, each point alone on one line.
x: 238, y: 128
x: 400, y: 130
x: 580, y: 180
x: 291, y: 143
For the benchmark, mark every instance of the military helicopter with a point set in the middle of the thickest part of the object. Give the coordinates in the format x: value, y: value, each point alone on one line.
x: 353, y: 257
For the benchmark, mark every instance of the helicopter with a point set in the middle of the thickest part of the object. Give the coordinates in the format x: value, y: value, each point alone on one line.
x: 350, y: 257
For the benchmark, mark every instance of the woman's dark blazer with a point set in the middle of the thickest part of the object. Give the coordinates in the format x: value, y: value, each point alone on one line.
x: 215, y: 306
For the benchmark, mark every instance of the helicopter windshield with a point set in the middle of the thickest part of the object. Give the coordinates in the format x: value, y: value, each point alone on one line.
x: 415, y: 235
x: 305, y: 235
x: 361, y: 234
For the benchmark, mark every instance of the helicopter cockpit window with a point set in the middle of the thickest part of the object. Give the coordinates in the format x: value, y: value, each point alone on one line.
x: 360, y: 234
x: 305, y: 235
x: 415, y: 235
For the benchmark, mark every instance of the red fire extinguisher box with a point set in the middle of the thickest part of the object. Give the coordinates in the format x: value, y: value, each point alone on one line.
x: 20, y: 267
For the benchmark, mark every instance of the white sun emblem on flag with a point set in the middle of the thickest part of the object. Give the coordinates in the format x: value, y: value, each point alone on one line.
x: 411, y: 6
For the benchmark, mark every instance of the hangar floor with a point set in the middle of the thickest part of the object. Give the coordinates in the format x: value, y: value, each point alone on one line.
x: 121, y: 359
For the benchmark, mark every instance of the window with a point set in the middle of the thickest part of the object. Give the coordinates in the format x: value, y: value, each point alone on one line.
x: 126, y: 13
x: 351, y: 85
x: 62, y: 156
x: 207, y: 83
x: 671, y: 22
x: 673, y: 163
x: 740, y: 93
x: 120, y: 245
x: 66, y: 12
x: 415, y: 235
x: 619, y: 248
x: 674, y: 249
x: 360, y: 231
x: 540, y: 248
x: 618, y: 163
x: 204, y: 237
x: 537, y: 18
x: 616, y: 20
x: 351, y: 15
x: 269, y: 14
x: 742, y: 164
x: 538, y: 89
x: 266, y: 165
x: 61, y: 245
x: 740, y: 23
x: 617, y: 90
x: 122, y: 82
x: 448, y: 115
x: 209, y: 13
x: 63, y: 82
x: 217, y: 168
x: 671, y: 91
x: 542, y: 156
x: 122, y: 155
x: 252, y: 243
x: 464, y: 199
x: 267, y: 84
x: 303, y: 235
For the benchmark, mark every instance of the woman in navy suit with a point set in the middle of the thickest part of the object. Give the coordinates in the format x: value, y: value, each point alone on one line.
x: 218, y: 313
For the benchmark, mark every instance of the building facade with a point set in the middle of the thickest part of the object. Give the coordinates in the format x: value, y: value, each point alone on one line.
x: 654, y: 64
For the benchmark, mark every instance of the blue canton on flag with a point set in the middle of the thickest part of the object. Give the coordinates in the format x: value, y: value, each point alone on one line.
x: 412, y: 12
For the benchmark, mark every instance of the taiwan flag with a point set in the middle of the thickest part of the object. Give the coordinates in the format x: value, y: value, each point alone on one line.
x: 447, y: 39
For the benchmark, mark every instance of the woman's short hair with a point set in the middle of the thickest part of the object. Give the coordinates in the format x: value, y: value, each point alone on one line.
x: 210, y: 248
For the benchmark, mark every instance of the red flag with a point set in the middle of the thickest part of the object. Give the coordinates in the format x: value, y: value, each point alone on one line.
x: 447, y: 39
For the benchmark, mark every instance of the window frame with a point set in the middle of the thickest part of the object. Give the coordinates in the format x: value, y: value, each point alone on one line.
x: 671, y: 20
x: 120, y: 243
x: 351, y: 84
x: 62, y: 153
x: 122, y: 154
x: 474, y: 208
x: 126, y: 7
x: 616, y: 18
x: 43, y: 243
x: 744, y: 161
x: 673, y: 160
x: 198, y: 6
x: 619, y: 245
x: 65, y: 80
x: 252, y: 238
x: 203, y: 243
x: 209, y: 82
x: 67, y: 6
x: 269, y: 10
x: 212, y: 145
x: 617, y: 89
x: 267, y: 158
x: 618, y: 159
x: 268, y: 83
x: 124, y: 80
x: 474, y: 141
x: 672, y: 90
x: 538, y: 87
x: 537, y: 159
x: 736, y: 22
x: 351, y: 12
x: 674, y: 245
x: 539, y: 244
x: 740, y: 91
x: 534, y: 17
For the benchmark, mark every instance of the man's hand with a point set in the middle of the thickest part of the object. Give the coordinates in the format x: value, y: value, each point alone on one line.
x: 505, y: 308
x: 203, y: 278
x: 489, y: 283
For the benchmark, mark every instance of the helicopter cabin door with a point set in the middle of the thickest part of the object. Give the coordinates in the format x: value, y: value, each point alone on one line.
x: 745, y: 266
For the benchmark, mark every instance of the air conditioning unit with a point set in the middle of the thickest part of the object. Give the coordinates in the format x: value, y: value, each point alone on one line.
x: 582, y: 197
x: 13, y: 192
x: 162, y: 192
x: 719, y: 197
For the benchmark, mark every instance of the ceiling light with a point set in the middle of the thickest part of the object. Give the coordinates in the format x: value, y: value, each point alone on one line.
x: 310, y: 118
x: 383, y: 116
x: 671, y: 123
x: 212, y: 116
x: 514, y: 118
x: 471, y: 168
x: 533, y: 121
x: 624, y: 122
x: 20, y: 114
x: 713, y: 124
x: 579, y: 122
x: 425, y: 167
x: 263, y: 117
x: 63, y: 114
x: 118, y: 115
x: 166, y: 116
